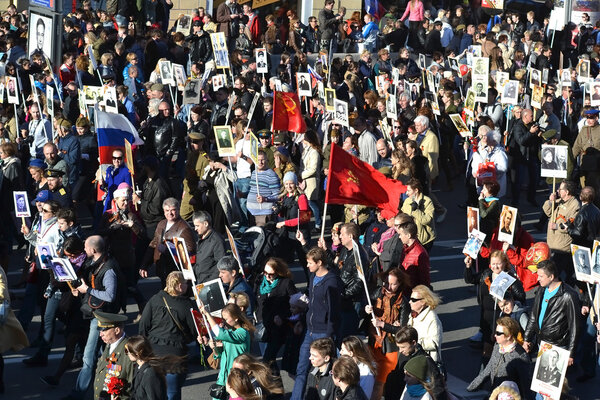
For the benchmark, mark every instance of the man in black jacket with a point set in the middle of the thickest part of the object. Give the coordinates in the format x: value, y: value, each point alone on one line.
x: 554, y: 313
x: 200, y: 47
x: 523, y: 148
x: 209, y: 249
x: 586, y: 226
x: 433, y: 40
x: 328, y: 25
x: 319, y: 383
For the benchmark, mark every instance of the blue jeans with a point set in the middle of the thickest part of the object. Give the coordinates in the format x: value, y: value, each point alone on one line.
x: 90, y: 356
x: 174, y: 385
x: 242, y: 188
x: 304, y: 364
x: 28, y: 307
x: 587, y: 355
x: 49, y: 322
x: 314, y: 207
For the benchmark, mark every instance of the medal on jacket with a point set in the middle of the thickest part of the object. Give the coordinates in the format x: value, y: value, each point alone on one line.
x: 112, y: 369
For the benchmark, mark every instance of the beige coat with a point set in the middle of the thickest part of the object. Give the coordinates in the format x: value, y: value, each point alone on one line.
x: 559, y: 239
x: 310, y: 167
x: 12, y: 336
x: 423, y: 216
x: 430, y: 146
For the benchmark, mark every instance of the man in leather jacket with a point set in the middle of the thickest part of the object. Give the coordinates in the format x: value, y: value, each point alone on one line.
x: 554, y: 313
x: 163, y: 136
x: 586, y: 226
x: 200, y: 46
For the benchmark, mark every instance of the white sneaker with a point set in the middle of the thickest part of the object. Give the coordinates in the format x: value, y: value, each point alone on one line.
x: 478, y: 337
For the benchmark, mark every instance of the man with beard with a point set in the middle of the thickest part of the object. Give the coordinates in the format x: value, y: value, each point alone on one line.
x: 58, y: 192
x: 53, y: 160
x: 163, y: 137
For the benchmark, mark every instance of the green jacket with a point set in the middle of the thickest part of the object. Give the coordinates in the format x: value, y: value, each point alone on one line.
x: 235, y: 342
x: 115, y: 364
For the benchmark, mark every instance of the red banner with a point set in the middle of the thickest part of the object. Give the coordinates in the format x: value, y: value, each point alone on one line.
x: 287, y: 113
x: 352, y: 181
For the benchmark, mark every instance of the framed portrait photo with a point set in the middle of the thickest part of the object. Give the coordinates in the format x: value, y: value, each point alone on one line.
x: 508, y: 220
x: 582, y: 263
x: 184, y: 259
x: 21, y: 204
x: 63, y: 270
x: 40, y: 35
x: 510, y: 93
x: 303, y: 84
x: 212, y: 295
x: 329, y: 99
x: 472, y: 219
x: 550, y: 369
x: 474, y: 243
x: 501, y: 284
x: 554, y: 161
x: 460, y: 125
x: 179, y: 76
x: 166, y: 72
x: 341, y: 113
x: 46, y: 252
x: 224, y: 139
x: 262, y: 63
x: 191, y: 92
x: 11, y: 90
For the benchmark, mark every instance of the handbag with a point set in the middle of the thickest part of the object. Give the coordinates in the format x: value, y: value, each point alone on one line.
x: 439, y: 364
x: 213, y: 362
x: 259, y: 334
x: 185, y: 335
x: 217, y: 391
x: 486, y: 171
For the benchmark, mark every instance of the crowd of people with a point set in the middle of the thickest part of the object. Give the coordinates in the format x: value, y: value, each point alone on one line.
x: 365, y: 326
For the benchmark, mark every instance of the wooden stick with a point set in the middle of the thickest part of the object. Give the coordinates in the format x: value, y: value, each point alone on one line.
x: 323, y: 221
x: 553, y: 191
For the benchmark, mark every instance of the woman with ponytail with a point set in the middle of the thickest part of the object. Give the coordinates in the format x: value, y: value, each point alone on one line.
x: 509, y: 362
x: 265, y: 383
x: 149, y: 381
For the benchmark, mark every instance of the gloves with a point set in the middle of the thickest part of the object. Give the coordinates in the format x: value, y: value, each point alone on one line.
x: 414, y: 206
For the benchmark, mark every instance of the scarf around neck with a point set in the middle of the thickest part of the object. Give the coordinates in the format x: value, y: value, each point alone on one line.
x: 266, y: 287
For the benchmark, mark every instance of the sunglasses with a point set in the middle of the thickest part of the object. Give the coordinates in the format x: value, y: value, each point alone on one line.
x: 497, y: 333
x: 412, y: 299
x: 117, y: 158
x: 270, y: 274
x: 46, y: 210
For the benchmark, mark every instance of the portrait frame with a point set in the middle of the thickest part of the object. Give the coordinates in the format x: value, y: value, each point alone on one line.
x: 539, y: 382
x: 481, y: 68
x: 507, y: 235
x: 594, y: 94
x: 460, y: 125
x: 220, y: 52
x: 537, y: 96
x: 472, y: 219
x: 304, y: 89
x: 179, y: 76
x: 596, y: 261
x: 212, y: 295
x: 12, y: 96
x: 340, y: 113
x: 583, y: 69
x: 557, y: 166
x: 254, y: 148
x: 422, y: 61
x: 510, y: 92
x: 535, y: 78
x: 501, y: 284
x: 582, y: 258
x: 391, y: 107
x: 473, y: 244
x: 184, y: 24
x: 330, y: 99
x: 166, y: 72
x: 184, y: 259
x: 47, y: 47
x: 262, y: 60
x: 218, y: 81
x: 224, y: 140
x: 50, y: 99
x: 192, y: 92
x: 21, y: 210
x: 46, y: 253
x: 482, y: 96
x: 110, y: 100
x: 63, y: 270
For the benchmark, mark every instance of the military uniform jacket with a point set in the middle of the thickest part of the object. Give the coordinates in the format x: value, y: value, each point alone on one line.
x: 116, y: 364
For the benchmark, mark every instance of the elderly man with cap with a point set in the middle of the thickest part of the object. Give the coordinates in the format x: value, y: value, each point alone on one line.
x: 587, y: 145
x: 54, y: 160
x: 194, y: 169
x: 264, y: 139
x: 116, y: 174
x: 69, y: 149
x: 114, y: 361
x: 55, y: 185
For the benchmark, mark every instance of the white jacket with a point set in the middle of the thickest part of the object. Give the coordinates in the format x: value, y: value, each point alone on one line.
x: 498, y: 156
x: 429, y: 327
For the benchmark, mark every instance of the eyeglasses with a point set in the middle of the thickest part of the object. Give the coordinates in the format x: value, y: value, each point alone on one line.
x: 163, y: 109
x: 397, y: 127
x: 270, y: 274
x: 412, y: 299
x: 117, y: 158
x: 497, y: 333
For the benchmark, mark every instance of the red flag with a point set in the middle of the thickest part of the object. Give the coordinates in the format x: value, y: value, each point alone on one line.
x: 352, y: 181
x: 287, y: 114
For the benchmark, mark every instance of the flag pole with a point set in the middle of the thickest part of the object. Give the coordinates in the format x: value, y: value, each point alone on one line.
x: 327, y: 191
x: 323, y: 220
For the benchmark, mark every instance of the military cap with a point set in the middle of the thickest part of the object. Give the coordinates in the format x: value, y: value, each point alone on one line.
x: 109, y: 320
x: 196, y: 136
x: 53, y: 173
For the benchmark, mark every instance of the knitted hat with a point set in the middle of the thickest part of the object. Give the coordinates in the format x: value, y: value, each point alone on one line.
x: 290, y: 176
x: 508, y: 390
x: 417, y: 367
x: 122, y: 191
x: 36, y: 162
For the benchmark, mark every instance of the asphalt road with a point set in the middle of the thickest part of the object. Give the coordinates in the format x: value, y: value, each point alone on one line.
x: 459, y: 315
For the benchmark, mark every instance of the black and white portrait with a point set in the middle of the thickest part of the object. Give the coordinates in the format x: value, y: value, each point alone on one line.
x: 595, y: 94
x: 545, y: 76
x: 550, y: 369
x: 218, y: 81
x: 422, y: 61
x: 582, y: 262
x: 583, y: 69
x: 536, y: 78
x: 110, y: 100
x: 554, y: 161
x: 40, y: 35
x: 212, y: 295
x: 596, y: 261
x: 480, y: 66
x: 184, y: 24
x: 46, y: 252
x: 501, y: 284
x: 11, y: 90
x: 460, y: 125
x: 191, y: 92
x: 304, y: 87
x: 262, y: 66
x: 391, y: 107
x: 179, y: 74
x: 329, y: 97
x: 166, y: 74
x: 565, y: 77
x: 63, y: 270
x: 21, y: 204
x: 341, y: 112
x: 453, y: 62
x: 481, y: 88
x: 510, y: 93
x: 508, y: 220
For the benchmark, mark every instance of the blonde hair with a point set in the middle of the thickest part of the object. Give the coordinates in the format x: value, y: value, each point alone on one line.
x: 431, y: 299
x: 174, y: 279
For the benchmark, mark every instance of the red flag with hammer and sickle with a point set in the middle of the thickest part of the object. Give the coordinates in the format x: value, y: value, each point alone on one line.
x: 352, y: 181
x: 287, y: 113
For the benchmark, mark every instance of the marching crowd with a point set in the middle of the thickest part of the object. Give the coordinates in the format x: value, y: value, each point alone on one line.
x: 366, y: 326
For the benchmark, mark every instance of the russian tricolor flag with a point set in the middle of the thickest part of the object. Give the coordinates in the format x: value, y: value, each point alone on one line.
x: 374, y: 8
x: 112, y: 130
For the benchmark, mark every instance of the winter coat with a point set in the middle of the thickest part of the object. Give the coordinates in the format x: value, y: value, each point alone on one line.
x: 429, y: 327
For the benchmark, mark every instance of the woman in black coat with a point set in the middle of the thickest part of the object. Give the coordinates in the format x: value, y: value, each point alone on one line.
x: 273, y: 291
x: 149, y: 380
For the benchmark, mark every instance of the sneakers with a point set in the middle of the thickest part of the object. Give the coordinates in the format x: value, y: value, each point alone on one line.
x: 478, y: 337
x: 441, y: 217
x: 49, y: 380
